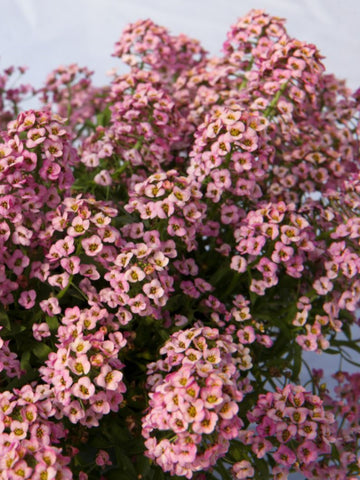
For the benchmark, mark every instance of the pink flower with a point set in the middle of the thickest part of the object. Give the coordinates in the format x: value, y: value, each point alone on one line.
x: 83, y: 389
x: 27, y: 299
x: 281, y: 253
x: 153, y: 289
x: 238, y: 263
x: 193, y: 412
x: 102, y: 458
x: 134, y: 274
x: 78, y: 227
x: 74, y: 411
x: 323, y: 285
x: 109, y: 378
x: 307, y: 452
x: 207, y: 424
x: 284, y: 456
x: 50, y: 306
x: 40, y: 331
x: 79, y: 365
x: 92, y: 245
x: 228, y: 410
x: 99, y: 403
x: 243, y: 470
x: 71, y: 264
x: 103, y: 178
x: 35, y: 137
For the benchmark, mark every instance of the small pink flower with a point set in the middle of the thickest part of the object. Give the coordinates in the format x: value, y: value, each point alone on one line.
x: 108, y: 378
x: 243, y: 470
x: 193, y: 412
x: 40, y: 331
x: 228, y: 410
x: 60, y: 281
x: 35, y: 136
x: 238, y: 263
x: 22, y: 236
x: 27, y: 299
x: 102, y: 458
x: 92, y: 245
x: 71, y: 264
x: 153, y: 289
x: 212, y: 396
x: 284, y: 456
x: 176, y: 227
x: 50, y: 306
x: 207, y: 424
x: 134, y: 274
x: 246, y: 335
x: 18, y: 430
x: 99, y: 403
x: 307, y: 452
x: 79, y: 365
x: 281, y: 253
x: 83, y: 389
x: 78, y: 227
x: 103, y: 178
x: 323, y: 285
x: 74, y: 411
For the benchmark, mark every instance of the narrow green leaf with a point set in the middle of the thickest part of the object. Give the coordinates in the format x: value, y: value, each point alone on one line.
x: 41, y: 351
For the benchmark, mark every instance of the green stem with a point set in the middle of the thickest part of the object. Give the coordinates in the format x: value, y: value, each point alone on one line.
x: 269, y: 109
x: 64, y: 290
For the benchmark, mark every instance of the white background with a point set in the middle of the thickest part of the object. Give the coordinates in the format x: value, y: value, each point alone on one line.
x: 43, y: 34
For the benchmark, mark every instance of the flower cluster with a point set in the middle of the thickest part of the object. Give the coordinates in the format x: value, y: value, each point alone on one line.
x: 84, y: 372
x: 28, y: 437
x: 193, y: 408
x: 291, y: 424
x: 35, y: 169
x: 71, y: 89
x: 145, y: 44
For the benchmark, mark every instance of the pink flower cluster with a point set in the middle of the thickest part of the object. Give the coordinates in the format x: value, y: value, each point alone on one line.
x: 345, y: 406
x: 173, y: 198
x: 84, y: 371
x: 146, y: 45
x: 35, y: 169
x: 70, y: 88
x: 193, y: 407
x: 293, y: 426
x: 28, y: 437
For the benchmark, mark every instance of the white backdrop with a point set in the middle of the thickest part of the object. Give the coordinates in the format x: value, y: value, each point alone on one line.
x: 43, y: 34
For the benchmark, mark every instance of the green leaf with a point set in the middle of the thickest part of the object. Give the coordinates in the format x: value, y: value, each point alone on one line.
x: 143, y: 465
x: 104, y: 117
x: 224, y: 472
x: 52, y: 322
x: 29, y: 376
x: 238, y: 451
x: 25, y: 360
x: 41, y: 351
x: 116, y: 474
x: 4, y: 320
x: 158, y: 475
x: 125, y: 464
x: 331, y: 351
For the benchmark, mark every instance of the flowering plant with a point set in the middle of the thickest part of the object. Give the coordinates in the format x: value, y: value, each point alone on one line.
x: 172, y: 245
